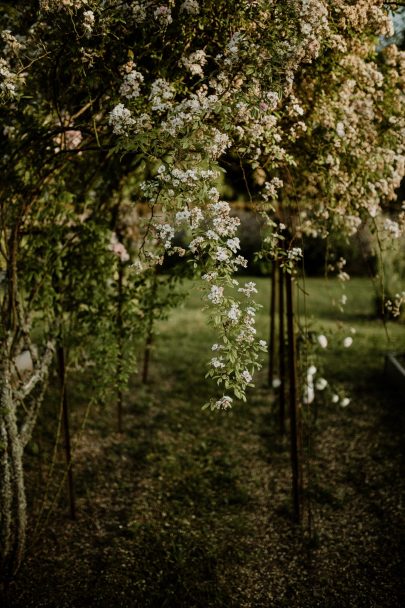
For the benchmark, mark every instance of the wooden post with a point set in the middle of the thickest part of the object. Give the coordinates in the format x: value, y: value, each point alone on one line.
x: 149, y: 334
x: 295, y: 427
x: 146, y: 356
x: 281, y: 349
x: 66, y: 428
x: 120, y: 327
x: 272, y: 335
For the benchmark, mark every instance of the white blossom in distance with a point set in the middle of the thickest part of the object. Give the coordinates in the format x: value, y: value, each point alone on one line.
x: 322, y: 341
x: 345, y: 402
x: 347, y: 342
x: 321, y: 384
x: 118, y: 248
x: 309, y: 392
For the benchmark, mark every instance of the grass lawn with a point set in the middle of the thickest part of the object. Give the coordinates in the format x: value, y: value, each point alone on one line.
x: 192, y: 509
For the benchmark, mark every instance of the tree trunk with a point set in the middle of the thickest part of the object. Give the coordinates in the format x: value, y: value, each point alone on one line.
x: 13, y: 507
x: 120, y: 326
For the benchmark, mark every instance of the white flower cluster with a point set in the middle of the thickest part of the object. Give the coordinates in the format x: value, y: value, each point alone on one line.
x: 121, y: 119
x: 294, y: 254
x: 163, y: 15
x: 195, y: 62
x: 217, y: 362
x: 161, y: 94
x: 216, y: 294
x: 392, y: 228
x: 343, y: 402
x: 394, y: 306
x: 139, y: 12
x: 166, y: 234
x: 8, y: 80
x: 219, y: 142
x: 234, y: 313
x: 191, y: 7
x: 248, y: 289
x: 12, y: 45
x: 88, y: 22
x: 247, y: 376
x: 131, y: 86
x: 310, y: 386
x: 225, y: 403
x: 188, y: 111
x: 271, y: 188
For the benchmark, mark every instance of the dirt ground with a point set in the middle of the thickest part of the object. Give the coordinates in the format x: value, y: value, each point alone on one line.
x: 189, y: 509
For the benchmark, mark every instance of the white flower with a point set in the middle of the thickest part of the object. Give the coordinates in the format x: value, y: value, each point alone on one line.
x: 246, y: 376
x: 321, y: 384
x: 263, y: 343
x: 340, y: 129
x: 345, y: 402
x: 216, y: 294
x: 392, y: 228
x: 216, y: 347
x: 347, y: 342
x: 88, y: 22
x: 224, y: 403
x: 322, y: 341
x: 295, y: 253
x: 217, y: 362
x: 166, y: 234
x: 222, y: 254
x: 233, y: 244
x: 196, y: 243
x: 234, y: 312
x: 248, y: 289
x: 335, y: 398
x: 183, y: 216
x: 130, y: 88
x: 276, y: 382
x: 309, y: 393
